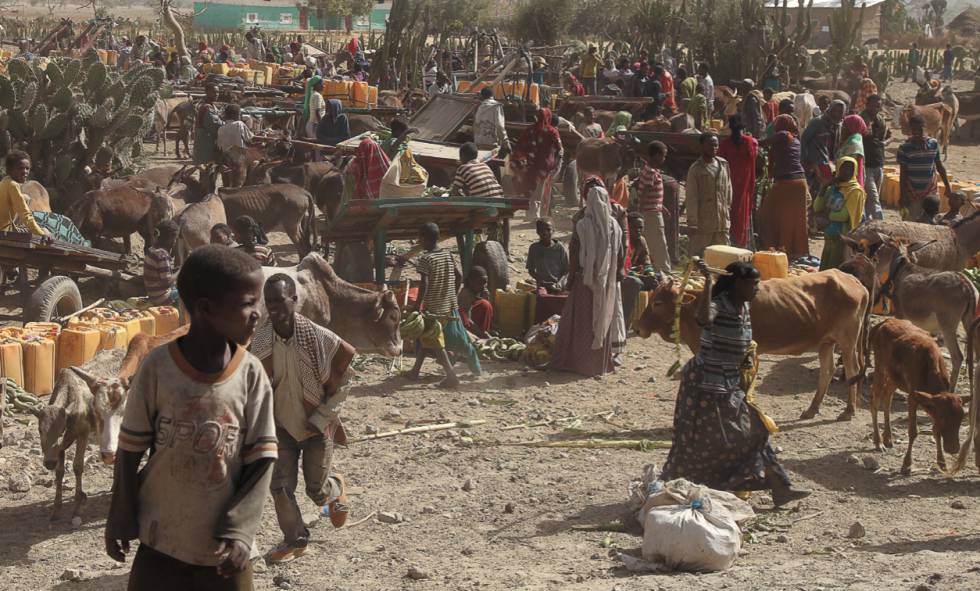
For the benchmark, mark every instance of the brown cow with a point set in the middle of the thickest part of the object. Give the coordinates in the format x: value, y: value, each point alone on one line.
x: 824, y: 310
x: 938, y: 122
x: 602, y: 156
x: 908, y: 358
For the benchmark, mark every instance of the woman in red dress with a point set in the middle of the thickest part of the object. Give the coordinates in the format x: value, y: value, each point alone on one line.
x: 740, y: 150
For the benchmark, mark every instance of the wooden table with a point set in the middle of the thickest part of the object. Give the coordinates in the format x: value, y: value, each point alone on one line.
x: 400, y: 219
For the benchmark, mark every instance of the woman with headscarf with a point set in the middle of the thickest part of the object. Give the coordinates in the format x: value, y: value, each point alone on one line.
x: 314, y: 105
x: 591, y: 320
x: 740, y: 150
x: 251, y: 238
x: 575, y: 87
x: 782, y: 219
x: 865, y: 89
x: 853, y: 130
x: 536, y: 157
x: 752, y: 115
x: 621, y: 122
x: 366, y: 170
x: 843, y: 204
x: 334, y: 127
x: 819, y: 142
x: 721, y: 440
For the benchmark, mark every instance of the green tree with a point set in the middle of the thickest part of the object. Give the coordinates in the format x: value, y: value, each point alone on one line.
x: 341, y: 7
x: 542, y: 21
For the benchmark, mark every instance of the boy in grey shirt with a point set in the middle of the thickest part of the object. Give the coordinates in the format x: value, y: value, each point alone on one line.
x: 547, y: 259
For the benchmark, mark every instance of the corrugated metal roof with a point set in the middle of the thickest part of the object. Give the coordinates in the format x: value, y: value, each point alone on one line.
x: 793, y: 4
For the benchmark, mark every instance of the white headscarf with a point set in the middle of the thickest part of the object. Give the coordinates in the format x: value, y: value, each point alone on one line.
x: 599, y: 237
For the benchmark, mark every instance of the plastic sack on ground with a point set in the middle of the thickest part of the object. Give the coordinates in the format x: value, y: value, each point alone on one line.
x: 691, y: 527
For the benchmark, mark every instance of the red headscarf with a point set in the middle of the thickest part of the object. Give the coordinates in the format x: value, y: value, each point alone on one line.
x: 535, y: 156
x: 854, y: 124
x: 577, y: 88
x: 786, y: 123
x: 353, y: 46
x: 368, y: 167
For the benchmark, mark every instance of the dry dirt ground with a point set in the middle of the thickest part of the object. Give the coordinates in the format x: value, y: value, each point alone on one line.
x: 531, y: 518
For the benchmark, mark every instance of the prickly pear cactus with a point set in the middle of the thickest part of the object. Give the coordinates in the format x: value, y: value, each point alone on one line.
x: 76, y: 113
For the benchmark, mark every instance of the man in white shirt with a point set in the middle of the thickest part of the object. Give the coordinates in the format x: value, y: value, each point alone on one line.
x: 489, y: 128
x: 704, y: 78
x: 234, y: 133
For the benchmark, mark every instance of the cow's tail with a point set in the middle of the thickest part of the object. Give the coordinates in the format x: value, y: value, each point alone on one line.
x: 971, y: 431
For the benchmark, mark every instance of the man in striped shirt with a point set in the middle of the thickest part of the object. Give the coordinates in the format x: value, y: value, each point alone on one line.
x: 650, y: 195
x: 474, y: 178
x: 919, y: 160
x: 159, y: 276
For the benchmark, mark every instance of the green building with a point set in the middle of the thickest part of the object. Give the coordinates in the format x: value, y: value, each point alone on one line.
x: 283, y: 15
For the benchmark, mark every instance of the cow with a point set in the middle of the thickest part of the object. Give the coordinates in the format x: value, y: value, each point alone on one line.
x: 120, y: 211
x: 804, y: 106
x: 938, y: 119
x: 907, y: 358
x: 85, y: 402
x: 363, y: 123
x: 174, y: 113
x: 950, y: 99
x: 825, y: 310
x: 366, y: 319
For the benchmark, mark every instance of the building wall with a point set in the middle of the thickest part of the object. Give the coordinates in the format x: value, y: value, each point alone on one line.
x: 820, y: 38
x: 374, y: 21
x: 231, y: 16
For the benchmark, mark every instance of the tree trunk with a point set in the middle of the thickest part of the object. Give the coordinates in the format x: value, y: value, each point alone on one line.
x: 171, y: 23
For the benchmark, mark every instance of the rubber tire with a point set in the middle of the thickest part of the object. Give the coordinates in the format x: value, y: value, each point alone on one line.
x: 491, y: 256
x: 55, y: 297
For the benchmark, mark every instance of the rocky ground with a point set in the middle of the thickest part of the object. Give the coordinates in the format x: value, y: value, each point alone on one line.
x: 468, y: 509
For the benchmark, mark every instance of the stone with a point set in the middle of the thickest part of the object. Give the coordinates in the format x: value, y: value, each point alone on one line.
x: 390, y: 517
x: 957, y: 504
x: 782, y: 539
x: 72, y: 574
x: 370, y: 429
x: 76, y: 522
x: 468, y: 551
x: 468, y: 485
x: 260, y: 566
x: 19, y: 483
x: 579, y: 578
x: 853, y: 459
x: 428, y: 510
x: 417, y: 574
x: 509, y: 508
x: 871, y: 463
x: 857, y: 531
x: 280, y: 579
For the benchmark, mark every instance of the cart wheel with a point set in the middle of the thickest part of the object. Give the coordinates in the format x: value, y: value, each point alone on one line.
x: 57, y: 296
x: 492, y: 256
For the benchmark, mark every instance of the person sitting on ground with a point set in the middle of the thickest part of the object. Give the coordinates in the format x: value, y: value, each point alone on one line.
x: 547, y: 259
x: 251, y: 238
x: 930, y: 211
x: 159, y: 274
x: 438, y: 304
x: 334, y: 127
x: 196, y: 505
x: 223, y: 234
x: 639, y: 253
x: 473, y: 177
x: 589, y: 128
x: 14, y: 210
x: 956, y: 202
x: 475, y: 309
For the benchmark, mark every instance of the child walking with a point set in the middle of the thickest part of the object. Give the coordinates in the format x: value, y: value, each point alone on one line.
x: 437, y: 295
x: 159, y: 274
x: 202, y: 405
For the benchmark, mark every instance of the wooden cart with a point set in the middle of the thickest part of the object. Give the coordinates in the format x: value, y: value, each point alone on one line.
x: 58, y: 295
x: 382, y: 220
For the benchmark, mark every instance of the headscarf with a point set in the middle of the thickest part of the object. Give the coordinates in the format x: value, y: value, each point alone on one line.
x: 854, y: 195
x: 867, y: 88
x: 786, y: 123
x: 309, y: 95
x: 578, y: 89
x: 853, y: 129
x: 854, y: 124
x: 367, y: 169
x: 599, y: 237
x: 535, y: 156
x: 621, y: 122
x: 334, y: 127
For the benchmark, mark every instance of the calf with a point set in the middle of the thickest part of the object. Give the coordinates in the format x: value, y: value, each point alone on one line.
x: 908, y: 358
x: 85, y: 401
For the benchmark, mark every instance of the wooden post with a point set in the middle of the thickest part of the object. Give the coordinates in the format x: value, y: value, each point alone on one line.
x: 380, y: 242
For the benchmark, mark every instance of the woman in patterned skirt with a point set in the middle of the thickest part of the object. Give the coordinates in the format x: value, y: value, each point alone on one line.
x: 720, y: 440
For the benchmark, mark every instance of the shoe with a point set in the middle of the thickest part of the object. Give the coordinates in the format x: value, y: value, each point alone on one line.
x: 785, y: 494
x: 285, y: 552
x: 338, y: 508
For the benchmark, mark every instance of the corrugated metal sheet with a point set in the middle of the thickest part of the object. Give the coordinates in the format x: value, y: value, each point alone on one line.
x: 442, y: 116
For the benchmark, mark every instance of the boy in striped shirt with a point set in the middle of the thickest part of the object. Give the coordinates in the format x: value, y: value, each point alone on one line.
x: 202, y: 406
x: 439, y: 304
x: 159, y: 275
x: 650, y: 195
x: 474, y: 178
x: 919, y: 160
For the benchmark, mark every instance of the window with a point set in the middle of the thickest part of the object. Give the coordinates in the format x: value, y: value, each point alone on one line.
x: 285, y: 18
x: 252, y: 17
